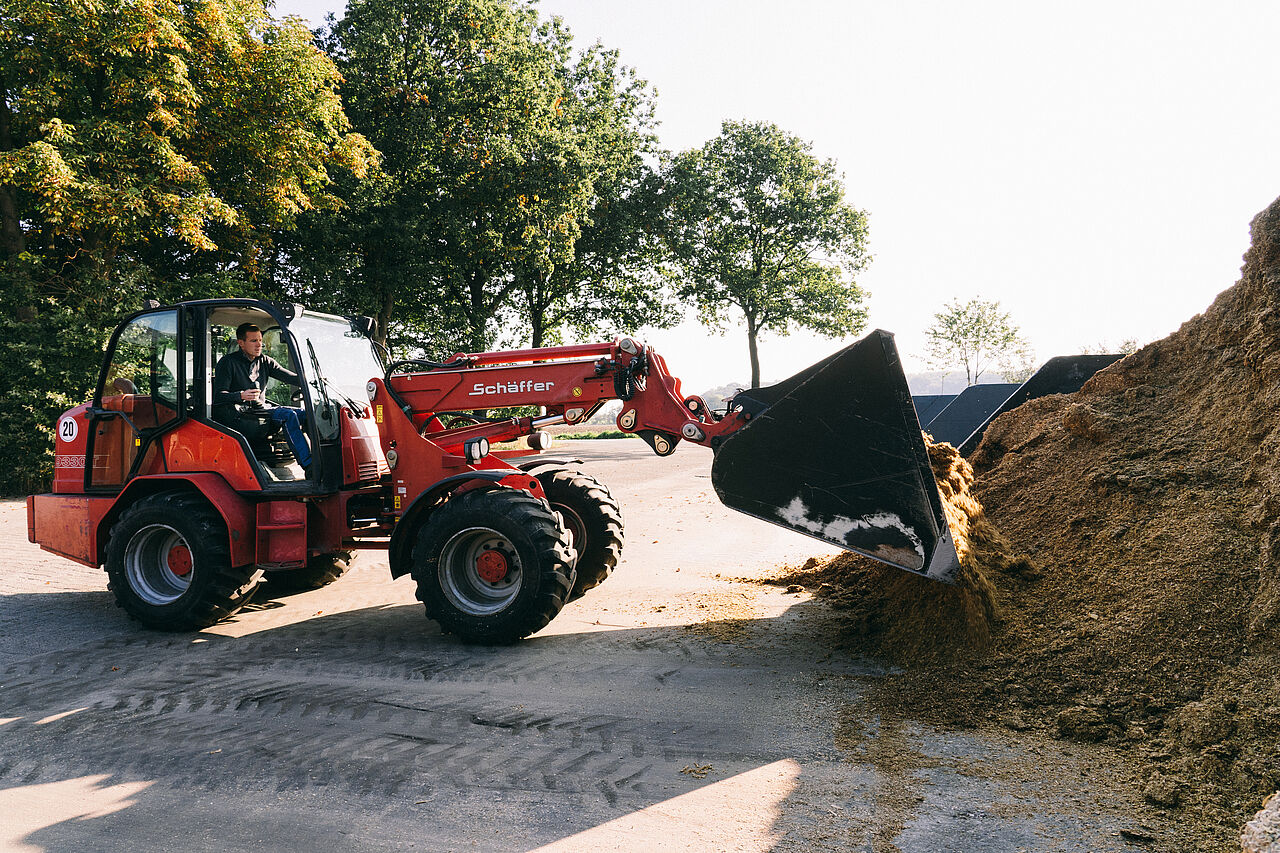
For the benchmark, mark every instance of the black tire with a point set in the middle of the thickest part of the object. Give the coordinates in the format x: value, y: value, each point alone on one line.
x: 169, y: 564
x: 593, y: 519
x: 321, y: 570
x: 456, y: 421
x: 529, y: 549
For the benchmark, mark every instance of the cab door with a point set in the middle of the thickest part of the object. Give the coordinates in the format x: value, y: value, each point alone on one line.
x: 142, y: 392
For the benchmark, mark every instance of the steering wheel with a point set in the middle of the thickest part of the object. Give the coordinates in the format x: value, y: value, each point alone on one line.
x: 262, y: 411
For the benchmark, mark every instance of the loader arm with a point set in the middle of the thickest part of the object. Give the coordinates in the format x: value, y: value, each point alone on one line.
x: 570, y: 382
x: 835, y: 452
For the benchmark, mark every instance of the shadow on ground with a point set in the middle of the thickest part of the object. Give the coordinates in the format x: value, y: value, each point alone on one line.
x: 368, y: 730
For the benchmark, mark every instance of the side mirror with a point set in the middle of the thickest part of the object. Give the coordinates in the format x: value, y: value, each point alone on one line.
x: 365, y: 326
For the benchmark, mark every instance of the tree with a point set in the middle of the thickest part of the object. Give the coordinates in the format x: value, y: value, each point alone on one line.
x: 502, y: 149
x: 464, y: 98
x: 975, y: 334
x: 612, y: 277
x: 145, y: 145
x: 760, y: 225
x: 1019, y: 364
x: 126, y: 125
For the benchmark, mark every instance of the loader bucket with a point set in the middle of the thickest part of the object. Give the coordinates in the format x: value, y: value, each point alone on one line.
x: 835, y: 452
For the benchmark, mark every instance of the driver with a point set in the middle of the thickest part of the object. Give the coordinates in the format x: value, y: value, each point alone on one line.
x: 239, y: 381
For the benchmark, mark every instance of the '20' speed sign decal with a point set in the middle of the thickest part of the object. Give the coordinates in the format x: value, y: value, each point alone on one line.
x: 68, y: 429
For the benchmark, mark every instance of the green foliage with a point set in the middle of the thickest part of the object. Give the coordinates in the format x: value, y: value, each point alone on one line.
x: 613, y: 278
x: 760, y: 225
x: 156, y: 125
x: 977, y: 335
x: 46, y: 367
x: 462, y: 97
x: 503, y: 152
x: 145, y: 146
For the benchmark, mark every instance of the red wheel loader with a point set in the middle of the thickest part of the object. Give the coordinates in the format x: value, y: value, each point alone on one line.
x: 188, y: 516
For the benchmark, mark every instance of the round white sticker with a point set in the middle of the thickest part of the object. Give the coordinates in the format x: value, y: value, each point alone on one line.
x: 68, y: 429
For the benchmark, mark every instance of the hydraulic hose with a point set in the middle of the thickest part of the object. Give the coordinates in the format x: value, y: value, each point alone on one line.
x: 422, y: 364
x: 425, y: 364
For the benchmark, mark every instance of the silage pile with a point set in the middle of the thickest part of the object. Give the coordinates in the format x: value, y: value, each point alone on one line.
x: 1149, y: 504
x: 906, y: 617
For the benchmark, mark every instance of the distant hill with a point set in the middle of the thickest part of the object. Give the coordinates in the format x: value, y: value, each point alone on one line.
x: 716, y: 397
x: 937, y: 382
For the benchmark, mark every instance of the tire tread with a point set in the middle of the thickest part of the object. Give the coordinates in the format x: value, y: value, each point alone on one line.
x: 604, y: 548
x: 536, y: 521
x: 218, y: 599
x: 320, y: 571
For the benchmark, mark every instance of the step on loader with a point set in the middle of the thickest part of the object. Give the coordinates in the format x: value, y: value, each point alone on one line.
x: 189, y: 509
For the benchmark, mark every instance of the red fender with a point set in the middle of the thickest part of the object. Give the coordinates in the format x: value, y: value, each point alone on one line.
x: 238, y: 513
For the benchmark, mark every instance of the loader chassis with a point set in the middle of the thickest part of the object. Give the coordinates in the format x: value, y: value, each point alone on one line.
x: 188, y: 518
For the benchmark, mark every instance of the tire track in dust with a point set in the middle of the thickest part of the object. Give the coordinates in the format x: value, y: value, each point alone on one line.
x: 341, y: 714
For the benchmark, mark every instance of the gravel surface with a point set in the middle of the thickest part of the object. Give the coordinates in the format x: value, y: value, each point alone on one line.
x: 672, y: 708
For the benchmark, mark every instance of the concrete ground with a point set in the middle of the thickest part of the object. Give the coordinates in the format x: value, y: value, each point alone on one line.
x: 673, y: 708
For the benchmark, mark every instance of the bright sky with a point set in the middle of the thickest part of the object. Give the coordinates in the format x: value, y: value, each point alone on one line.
x: 1093, y: 165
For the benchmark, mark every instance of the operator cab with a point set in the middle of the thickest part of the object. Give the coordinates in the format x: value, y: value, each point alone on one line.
x: 159, y: 376
x: 279, y: 457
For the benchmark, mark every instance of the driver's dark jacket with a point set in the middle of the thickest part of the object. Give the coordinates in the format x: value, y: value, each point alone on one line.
x: 235, y: 373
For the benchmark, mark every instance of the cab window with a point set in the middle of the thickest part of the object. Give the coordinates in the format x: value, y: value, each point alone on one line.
x: 280, y: 393
x: 143, y: 375
x: 222, y: 341
x: 141, y: 393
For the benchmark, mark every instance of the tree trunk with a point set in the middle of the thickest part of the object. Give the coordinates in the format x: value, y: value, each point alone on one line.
x: 752, y: 334
x: 11, y: 237
x: 384, y: 318
x: 536, y: 332
x: 475, y: 311
x: 539, y: 307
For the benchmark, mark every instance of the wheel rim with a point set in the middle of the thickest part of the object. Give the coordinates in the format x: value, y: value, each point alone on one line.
x: 480, y: 571
x: 158, y: 564
x: 577, y: 529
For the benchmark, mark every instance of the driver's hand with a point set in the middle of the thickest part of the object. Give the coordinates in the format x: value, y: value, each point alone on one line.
x: 251, y: 396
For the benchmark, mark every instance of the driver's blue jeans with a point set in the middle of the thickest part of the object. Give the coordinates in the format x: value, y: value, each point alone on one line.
x: 292, y: 421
